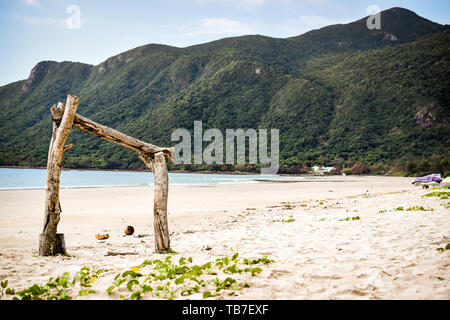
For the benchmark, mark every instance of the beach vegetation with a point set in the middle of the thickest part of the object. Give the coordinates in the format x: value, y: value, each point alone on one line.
x: 62, y: 287
x: 161, y: 278
x: 351, y: 218
x: 4, y: 289
x: 289, y: 219
x: 360, y: 169
x: 419, y: 208
x: 168, y: 280
x: 442, y: 195
x: 412, y: 208
x: 170, y: 251
x: 263, y: 260
x: 447, y: 247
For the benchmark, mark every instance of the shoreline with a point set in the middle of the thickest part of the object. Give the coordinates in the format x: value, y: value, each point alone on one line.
x: 205, y: 172
x: 135, y: 170
x: 178, y: 181
x: 253, y: 181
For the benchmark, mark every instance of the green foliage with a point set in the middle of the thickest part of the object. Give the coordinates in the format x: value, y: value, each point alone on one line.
x: 286, y: 220
x: 289, y: 219
x: 443, y: 195
x: 263, y: 260
x: 351, y: 218
x: 419, y: 208
x: 167, y: 280
x: 161, y: 278
x: 170, y: 251
x: 434, y: 164
x: 359, y: 169
x: 62, y: 287
x: 4, y: 289
x: 412, y: 208
x: 339, y: 92
x: 447, y: 247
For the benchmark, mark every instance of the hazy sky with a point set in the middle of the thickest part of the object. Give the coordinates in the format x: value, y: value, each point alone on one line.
x: 36, y: 30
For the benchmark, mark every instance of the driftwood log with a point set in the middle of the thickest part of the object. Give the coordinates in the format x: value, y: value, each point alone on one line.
x: 111, y: 135
x: 64, y: 117
x: 47, y: 243
x: 157, y: 164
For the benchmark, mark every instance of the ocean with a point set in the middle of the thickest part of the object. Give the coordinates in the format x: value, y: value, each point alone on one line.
x: 18, y: 178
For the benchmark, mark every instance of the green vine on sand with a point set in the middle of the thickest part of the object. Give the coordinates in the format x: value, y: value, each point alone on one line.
x: 162, y: 279
x: 61, y: 287
x: 351, y: 218
x: 442, y: 195
x: 168, y: 280
x: 447, y: 247
x: 4, y: 289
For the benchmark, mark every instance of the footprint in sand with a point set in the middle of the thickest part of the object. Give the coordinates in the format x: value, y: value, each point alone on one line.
x: 357, y: 292
x: 277, y: 273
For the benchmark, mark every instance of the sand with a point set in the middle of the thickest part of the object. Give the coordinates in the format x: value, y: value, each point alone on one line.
x: 387, y: 255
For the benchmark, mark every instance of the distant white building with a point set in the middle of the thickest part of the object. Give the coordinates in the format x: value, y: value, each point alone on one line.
x: 322, y: 170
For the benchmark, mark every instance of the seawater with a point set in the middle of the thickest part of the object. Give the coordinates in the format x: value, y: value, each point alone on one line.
x: 18, y: 178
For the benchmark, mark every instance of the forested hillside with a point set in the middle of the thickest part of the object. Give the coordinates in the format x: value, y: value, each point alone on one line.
x: 341, y: 93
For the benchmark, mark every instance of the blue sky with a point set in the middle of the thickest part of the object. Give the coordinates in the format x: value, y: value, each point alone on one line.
x: 36, y: 30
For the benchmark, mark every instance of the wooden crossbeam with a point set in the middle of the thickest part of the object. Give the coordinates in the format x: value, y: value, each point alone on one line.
x: 109, y: 134
x: 64, y: 117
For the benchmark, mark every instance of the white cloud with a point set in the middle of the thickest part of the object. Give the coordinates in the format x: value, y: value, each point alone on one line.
x: 73, y: 21
x: 219, y: 26
x: 67, y: 23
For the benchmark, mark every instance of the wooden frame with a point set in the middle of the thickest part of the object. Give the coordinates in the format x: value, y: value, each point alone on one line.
x: 64, y: 117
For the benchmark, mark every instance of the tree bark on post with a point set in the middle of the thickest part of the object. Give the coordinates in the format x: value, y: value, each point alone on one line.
x: 157, y: 164
x: 50, y: 243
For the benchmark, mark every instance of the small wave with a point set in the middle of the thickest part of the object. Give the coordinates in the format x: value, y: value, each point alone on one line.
x: 20, y: 188
x: 239, y: 182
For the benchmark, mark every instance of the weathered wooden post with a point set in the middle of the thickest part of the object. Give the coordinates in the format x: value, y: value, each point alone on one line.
x: 51, y: 243
x: 157, y: 164
x: 64, y: 117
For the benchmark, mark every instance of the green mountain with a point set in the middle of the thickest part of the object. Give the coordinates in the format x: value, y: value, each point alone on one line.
x: 344, y: 91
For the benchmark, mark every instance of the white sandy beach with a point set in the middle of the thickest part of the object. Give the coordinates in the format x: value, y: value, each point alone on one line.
x: 388, y: 255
